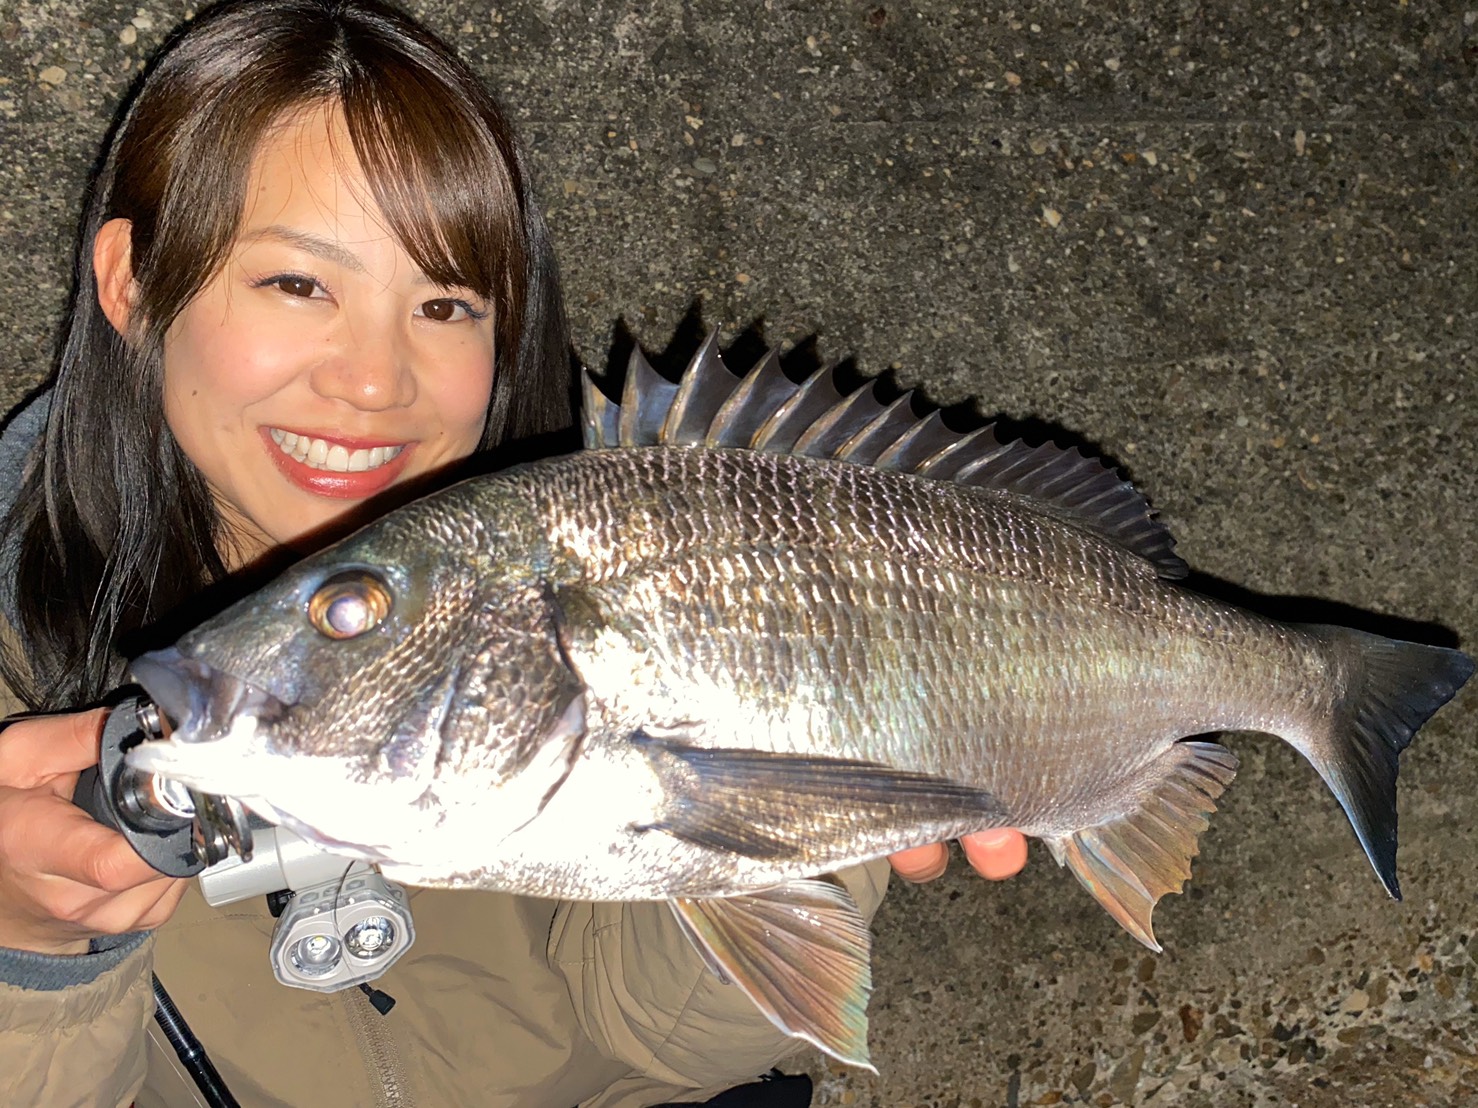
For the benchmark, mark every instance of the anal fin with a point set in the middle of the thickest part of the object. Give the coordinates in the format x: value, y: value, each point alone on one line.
x: 1130, y: 862
x: 801, y: 951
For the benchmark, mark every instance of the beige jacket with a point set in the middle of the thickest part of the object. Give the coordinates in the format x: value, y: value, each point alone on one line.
x: 502, y: 1001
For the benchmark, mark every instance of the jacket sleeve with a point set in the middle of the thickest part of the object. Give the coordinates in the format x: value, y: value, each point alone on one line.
x: 22, y: 428
x: 83, y: 1044
x: 644, y: 996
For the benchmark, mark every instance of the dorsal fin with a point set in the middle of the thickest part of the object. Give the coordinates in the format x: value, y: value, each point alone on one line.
x: 765, y: 410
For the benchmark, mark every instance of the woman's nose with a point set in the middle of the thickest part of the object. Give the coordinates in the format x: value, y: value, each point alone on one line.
x: 372, y: 371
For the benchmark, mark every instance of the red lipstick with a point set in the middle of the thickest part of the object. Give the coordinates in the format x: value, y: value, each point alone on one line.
x: 340, y: 486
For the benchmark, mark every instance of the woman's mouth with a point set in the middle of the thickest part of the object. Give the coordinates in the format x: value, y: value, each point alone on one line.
x: 326, y: 467
x: 332, y: 456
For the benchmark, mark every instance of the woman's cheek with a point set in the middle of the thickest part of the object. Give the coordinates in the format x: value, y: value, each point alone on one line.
x: 464, y: 385
x: 259, y: 358
x: 223, y: 348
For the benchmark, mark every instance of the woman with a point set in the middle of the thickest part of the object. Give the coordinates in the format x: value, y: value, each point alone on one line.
x: 312, y: 272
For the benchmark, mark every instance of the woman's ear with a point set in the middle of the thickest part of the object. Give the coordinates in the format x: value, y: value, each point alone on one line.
x: 112, y: 265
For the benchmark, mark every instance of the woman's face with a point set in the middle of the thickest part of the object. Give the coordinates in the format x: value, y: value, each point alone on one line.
x: 320, y: 366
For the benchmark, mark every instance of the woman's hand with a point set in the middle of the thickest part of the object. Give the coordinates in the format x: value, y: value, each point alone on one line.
x: 996, y: 854
x: 65, y: 878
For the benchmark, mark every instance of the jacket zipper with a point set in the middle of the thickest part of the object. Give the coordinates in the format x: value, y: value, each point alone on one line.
x: 379, y: 1051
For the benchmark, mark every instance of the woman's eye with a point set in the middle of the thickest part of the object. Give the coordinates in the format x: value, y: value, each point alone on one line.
x: 295, y: 286
x: 445, y: 311
x: 450, y: 309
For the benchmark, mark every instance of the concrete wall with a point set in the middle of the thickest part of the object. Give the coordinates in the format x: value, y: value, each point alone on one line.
x: 1230, y: 246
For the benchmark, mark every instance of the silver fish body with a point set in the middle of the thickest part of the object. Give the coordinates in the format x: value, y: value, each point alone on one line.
x: 747, y: 601
x: 673, y: 667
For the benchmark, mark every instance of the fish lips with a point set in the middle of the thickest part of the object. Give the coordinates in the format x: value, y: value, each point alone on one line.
x: 201, y: 701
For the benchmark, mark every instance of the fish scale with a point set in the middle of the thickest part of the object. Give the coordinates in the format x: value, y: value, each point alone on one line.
x: 756, y: 632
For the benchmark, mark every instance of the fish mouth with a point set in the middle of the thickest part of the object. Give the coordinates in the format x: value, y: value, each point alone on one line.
x: 205, y: 704
x: 226, y: 742
x: 216, y: 741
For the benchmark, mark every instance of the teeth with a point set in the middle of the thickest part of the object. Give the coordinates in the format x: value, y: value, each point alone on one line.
x: 333, y: 457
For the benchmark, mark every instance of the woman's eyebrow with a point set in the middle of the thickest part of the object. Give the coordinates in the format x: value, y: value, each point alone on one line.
x: 317, y: 245
x: 330, y: 250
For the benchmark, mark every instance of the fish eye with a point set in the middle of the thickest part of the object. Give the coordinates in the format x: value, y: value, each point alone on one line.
x: 349, y: 604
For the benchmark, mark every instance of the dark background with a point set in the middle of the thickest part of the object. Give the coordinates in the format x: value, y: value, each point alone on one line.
x: 1230, y: 246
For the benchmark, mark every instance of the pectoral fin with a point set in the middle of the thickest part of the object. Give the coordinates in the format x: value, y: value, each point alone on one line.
x: 796, y: 806
x: 801, y: 952
x: 1129, y: 863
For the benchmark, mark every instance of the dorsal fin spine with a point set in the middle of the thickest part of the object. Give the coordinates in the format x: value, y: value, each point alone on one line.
x: 920, y: 437
x: 835, y: 427
x: 765, y: 410
x: 946, y: 463
x: 645, y: 402
x: 701, y: 393
x: 864, y: 446
x: 599, y: 413
x: 747, y: 406
x: 815, y: 396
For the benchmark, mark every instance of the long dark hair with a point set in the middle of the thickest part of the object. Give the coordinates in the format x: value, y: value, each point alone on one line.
x: 114, y: 526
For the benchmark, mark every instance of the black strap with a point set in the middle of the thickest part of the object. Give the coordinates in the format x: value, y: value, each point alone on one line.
x: 773, y: 1090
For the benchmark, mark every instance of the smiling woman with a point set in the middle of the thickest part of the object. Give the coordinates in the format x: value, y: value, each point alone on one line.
x: 302, y: 210
x: 319, y: 364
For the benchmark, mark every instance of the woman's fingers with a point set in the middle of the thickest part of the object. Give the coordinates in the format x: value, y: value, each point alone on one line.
x: 41, y: 833
x: 66, y: 916
x: 65, y: 878
x: 140, y: 908
x: 921, y: 863
x: 995, y: 854
x: 50, y: 750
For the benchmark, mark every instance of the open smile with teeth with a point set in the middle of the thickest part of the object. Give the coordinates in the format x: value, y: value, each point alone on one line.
x: 332, y: 456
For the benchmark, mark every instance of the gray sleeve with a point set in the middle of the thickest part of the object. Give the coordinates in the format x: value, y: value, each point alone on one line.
x: 23, y: 430
x: 50, y: 972
x: 80, y: 1046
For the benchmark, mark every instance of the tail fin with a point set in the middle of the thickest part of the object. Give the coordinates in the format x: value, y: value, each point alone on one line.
x: 1390, y: 689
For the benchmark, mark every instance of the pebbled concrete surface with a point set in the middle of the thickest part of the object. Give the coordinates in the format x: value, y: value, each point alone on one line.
x: 1229, y: 246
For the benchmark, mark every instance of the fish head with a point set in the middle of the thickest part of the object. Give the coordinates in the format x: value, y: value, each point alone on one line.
x: 378, y: 694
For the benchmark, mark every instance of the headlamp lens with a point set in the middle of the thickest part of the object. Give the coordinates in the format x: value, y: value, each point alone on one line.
x: 315, y: 955
x: 370, y: 938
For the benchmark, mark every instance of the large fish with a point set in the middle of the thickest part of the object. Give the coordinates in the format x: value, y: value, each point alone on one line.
x: 755, y: 632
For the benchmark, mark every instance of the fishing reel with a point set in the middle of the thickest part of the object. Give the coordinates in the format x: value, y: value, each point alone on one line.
x: 339, y: 923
